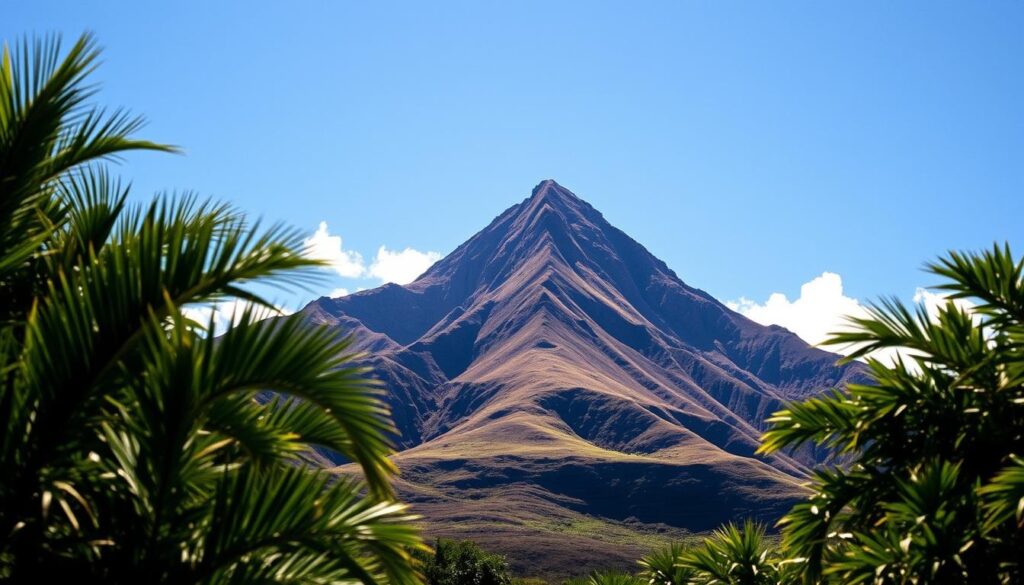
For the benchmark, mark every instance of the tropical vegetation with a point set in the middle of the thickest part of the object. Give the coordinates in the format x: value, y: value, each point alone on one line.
x: 463, y: 562
x: 731, y: 555
x: 606, y: 578
x: 934, y: 490
x: 142, y: 444
x: 137, y: 446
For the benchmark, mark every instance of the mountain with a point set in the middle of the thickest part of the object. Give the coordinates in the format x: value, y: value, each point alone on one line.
x: 564, y: 397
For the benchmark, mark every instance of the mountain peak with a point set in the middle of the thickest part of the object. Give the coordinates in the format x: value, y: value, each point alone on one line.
x: 553, y: 362
x: 552, y: 206
x: 550, y: 191
x: 545, y: 186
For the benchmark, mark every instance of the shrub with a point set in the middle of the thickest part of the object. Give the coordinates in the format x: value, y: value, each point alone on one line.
x: 463, y: 563
x: 606, y: 578
x: 665, y: 566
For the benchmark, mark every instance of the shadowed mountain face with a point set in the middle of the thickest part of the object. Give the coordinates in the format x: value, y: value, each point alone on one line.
x: 551, y: 371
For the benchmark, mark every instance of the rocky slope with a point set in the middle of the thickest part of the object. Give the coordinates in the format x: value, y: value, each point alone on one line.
x: 550, y: 375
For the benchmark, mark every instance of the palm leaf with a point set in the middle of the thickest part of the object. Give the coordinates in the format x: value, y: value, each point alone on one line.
x: 294, y: 511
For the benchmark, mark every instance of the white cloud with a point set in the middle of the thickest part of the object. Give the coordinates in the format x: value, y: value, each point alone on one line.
x: 821, y: 309
x: 398, y: 266
x: 323, y: 246
x: 228, y: 312
x: 401, y: 267
x: 934, y: 301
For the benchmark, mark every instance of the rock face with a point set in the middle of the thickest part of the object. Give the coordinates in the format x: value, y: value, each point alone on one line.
x: 551, y: 375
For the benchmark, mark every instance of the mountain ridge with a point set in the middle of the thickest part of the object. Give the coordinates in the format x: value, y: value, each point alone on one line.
x: 553, y: 358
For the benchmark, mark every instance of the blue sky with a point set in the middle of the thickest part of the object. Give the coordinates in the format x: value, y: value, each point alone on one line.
x: 752, y: 146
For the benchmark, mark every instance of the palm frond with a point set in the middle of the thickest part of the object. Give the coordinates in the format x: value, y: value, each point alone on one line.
x: 288, y: 357
x: 294, y: 511
x: 991, y: 276
x: 809, y: 527
x: 1004, y: 495
x: 665, y: 566
x: 829, y: 420
x: 94, y: 202
x: 734, y: 554
x: 279, y: 429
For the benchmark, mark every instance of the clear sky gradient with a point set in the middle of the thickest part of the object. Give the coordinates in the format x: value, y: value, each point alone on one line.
x: 752, y: 146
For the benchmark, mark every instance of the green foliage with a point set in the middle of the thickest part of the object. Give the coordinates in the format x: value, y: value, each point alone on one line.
x: 1004, y: 496
x: 935, y: 489
x: 664, y: 566
x: 463, y: 563
x: 134, y: 447
x: 737, y: 556
x: 732, y: 555
x: 606, y: 578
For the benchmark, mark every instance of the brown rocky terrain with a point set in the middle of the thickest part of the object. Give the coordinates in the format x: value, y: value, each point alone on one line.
x: 564, y: 397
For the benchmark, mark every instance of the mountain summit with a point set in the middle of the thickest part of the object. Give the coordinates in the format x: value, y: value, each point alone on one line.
x: 551, y: 373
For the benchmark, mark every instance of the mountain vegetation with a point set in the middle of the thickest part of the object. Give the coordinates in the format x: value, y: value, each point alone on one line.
x: 135, y: 447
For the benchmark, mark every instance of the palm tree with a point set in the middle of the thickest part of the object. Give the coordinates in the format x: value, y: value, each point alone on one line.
x: 735, y: 555
x: 934, y: 491
x: 665, y: 566
x: 136, y: 447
